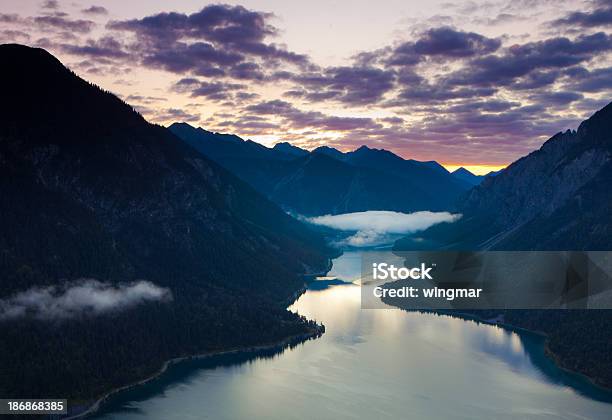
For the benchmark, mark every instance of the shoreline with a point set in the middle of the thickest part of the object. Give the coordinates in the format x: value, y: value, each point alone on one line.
x: 294, y: 339
x: 547, y: 351
x: 316, y: 332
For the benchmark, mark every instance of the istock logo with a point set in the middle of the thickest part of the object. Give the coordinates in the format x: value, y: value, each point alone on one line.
x: 384, y: 271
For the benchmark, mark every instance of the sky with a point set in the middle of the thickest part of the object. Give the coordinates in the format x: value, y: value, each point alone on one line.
x: 466, y: 83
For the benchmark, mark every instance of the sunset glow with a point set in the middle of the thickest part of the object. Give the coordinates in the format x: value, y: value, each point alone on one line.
x: 463, y: 82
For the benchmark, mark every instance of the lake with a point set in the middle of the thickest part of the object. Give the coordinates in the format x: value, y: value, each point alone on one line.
x: 372, y: 364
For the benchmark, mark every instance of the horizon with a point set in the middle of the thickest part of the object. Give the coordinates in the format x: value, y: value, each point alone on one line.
x: 474, y: 169
x: 467, y: 84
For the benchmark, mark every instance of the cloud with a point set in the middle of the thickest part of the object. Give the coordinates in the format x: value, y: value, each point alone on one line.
x: 10, y: 18
x: 601, y: 16
x: 298, y: 119
x: 214, y: 91
x: 500, y: 19
x: 377, y: 227
x: 105, y: 47
x: 84, y: 297
x: 520, y: 60
x: 556, y: 99
x: 50, y: 4
x: 452, y: 91
x: 596, y: 80
x: 95, y: 10
x: 170, y: 115
x: 217, y: 40
x: 60, y: 22
x: 443, y: 42
x: 354, y: 85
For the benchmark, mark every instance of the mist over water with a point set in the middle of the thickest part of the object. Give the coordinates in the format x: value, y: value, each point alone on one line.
x: 371, y: 228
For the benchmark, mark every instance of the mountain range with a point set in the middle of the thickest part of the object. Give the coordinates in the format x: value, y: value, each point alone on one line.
x: 90, y: 190
x: 328, y: 181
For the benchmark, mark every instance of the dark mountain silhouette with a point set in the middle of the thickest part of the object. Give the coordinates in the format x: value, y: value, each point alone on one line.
x: 466, y: 176
x: 426, y: 176
x: 289, y: 149
x: 318, y: 184
x: 226, y: 146
x: 91, y: 190
x: 328, y: 181
x: 331, y: 152
x: 556, y: 198
x: 494, y: 173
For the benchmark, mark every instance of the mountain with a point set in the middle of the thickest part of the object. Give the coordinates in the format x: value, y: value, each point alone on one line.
x: 220, y: 147
x: 425, y: 176
x: 494, y: 173
x: 466, y: 176
x: 252, y: 162
x: 318, y: 184
x: 289, y: 149
x: 555, y: 198
x: 90, y: 190
x: 331, y: 152
x: 328, y: 181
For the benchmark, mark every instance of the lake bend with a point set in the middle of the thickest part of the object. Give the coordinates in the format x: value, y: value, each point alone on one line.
x: 371, y: 364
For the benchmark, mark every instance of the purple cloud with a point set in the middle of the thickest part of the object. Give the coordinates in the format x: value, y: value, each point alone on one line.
x: 298, y: 119
x: 520, y: 60
x: 215, y: 91
x: 217, y: 40
x: 62, y: 23
x: 105, y: 47
x: 596, y: 80
x: 354, y: 85
x: 95, y: 10
x: 50, y: 4
x: 443, y: 42
x: 600, y: 16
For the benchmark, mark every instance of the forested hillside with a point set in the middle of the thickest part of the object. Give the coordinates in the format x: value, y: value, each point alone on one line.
x: 90, y: 190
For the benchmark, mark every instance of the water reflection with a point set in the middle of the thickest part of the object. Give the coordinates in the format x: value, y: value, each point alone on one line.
x: 372, y: 364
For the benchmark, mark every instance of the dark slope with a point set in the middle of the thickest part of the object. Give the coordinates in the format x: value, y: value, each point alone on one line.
x: 91, y: 190
x: 557, y: 197
x: 227, y: 146
x: 466, y: 176
x: 442, y: 188
x: 330, y: 152
x: 252, y: 162
x: 328, y: 181
x: 289, y: 149
x: 318, y: 184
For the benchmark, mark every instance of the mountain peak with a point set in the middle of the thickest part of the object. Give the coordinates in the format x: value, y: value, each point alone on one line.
x: 289, y: 149
x: 329, y: 151
x: 466, y: 176
x: 463, y: 171
x: 182, y: 125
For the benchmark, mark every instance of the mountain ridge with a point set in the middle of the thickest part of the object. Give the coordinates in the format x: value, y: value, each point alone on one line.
x: 559, y: 187
x: 360, y: 180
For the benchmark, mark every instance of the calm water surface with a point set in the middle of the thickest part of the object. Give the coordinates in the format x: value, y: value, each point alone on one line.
x: 372, y: 364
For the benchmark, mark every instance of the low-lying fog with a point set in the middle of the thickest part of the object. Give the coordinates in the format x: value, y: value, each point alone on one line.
x: 375, y: 228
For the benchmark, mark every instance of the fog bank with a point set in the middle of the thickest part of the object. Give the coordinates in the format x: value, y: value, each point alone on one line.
x: 375, y: 227
x: 83, y: 297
